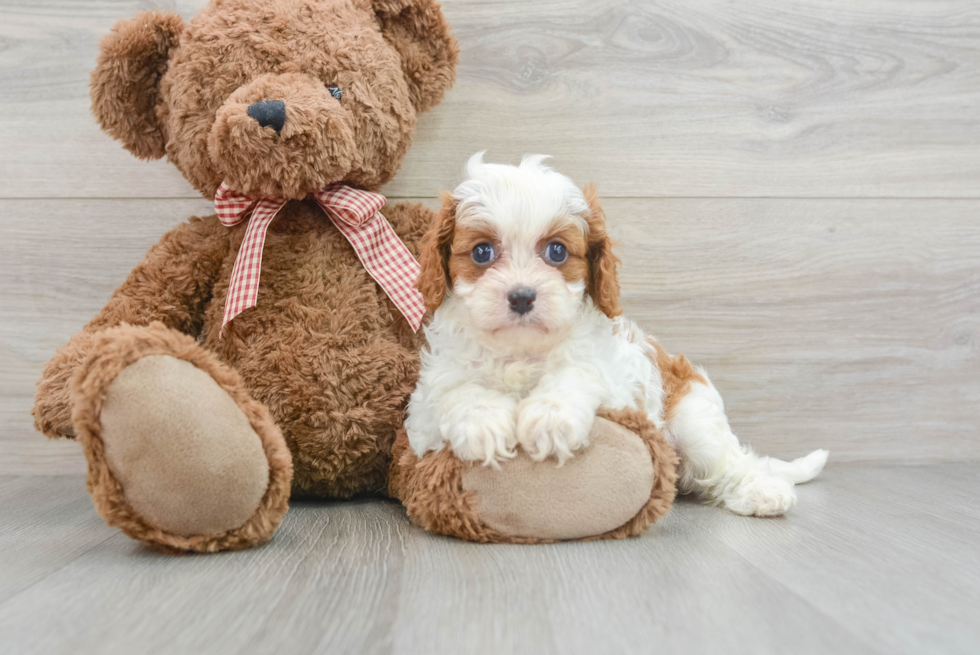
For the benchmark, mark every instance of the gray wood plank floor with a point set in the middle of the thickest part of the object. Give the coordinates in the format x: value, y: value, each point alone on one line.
x: 875, y: 559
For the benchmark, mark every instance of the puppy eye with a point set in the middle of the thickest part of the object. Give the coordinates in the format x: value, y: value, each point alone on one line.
x: 335, y: 91
x: 556, y: 253
x: 482, y: 253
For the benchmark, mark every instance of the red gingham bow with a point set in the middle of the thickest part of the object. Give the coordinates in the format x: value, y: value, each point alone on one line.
x: 355, y: 213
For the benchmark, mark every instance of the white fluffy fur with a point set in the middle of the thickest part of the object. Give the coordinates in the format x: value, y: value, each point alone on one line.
x: 492, y: 380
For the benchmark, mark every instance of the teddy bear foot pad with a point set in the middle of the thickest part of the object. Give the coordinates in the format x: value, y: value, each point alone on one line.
x: 175, y: 460
x: 615, y: 488
x: 598, y: 490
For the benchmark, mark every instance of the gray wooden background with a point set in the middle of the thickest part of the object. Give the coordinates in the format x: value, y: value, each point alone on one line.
x: 796, y: 186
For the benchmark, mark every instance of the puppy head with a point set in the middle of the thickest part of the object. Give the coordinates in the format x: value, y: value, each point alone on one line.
x: 520, y: 252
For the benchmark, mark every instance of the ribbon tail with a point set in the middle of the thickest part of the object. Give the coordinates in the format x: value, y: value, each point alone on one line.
x: 389, y: 263
x: 243, y: 290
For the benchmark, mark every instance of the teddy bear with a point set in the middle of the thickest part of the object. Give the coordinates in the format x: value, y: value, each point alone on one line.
x: 268, y: 351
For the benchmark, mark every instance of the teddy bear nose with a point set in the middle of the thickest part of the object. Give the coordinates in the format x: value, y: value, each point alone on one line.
x: 269, y: 113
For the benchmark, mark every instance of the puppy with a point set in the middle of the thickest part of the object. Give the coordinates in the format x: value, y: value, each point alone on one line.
x: 526, y: 343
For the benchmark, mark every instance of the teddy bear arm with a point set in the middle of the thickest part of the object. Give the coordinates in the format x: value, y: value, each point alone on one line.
x: 172, y: 285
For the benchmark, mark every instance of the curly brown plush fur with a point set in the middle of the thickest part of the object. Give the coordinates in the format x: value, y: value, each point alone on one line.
x: 324, y: 353
x: 126, y: 83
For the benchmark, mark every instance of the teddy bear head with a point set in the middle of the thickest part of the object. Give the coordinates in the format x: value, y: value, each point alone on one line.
x: 276, y: 98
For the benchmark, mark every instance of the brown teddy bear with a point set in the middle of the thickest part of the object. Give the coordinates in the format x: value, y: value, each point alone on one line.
x: 269, y: 350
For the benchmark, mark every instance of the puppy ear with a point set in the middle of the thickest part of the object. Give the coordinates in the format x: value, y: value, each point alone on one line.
x: 603, y: 282
x: 420, y: 33
x: 434, y: 252
x: 125, y: 85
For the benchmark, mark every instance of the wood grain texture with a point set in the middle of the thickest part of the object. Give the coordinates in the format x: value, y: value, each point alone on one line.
x: 822, y: 98
x: 841, y: 324
x: 30, y: 510
x: 874, y: 559
x: 810, y: 98
x: 893, y: 538
x: 847, y: 324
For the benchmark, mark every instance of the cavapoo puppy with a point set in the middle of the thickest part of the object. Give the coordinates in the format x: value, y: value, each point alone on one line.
x: 526, y: 343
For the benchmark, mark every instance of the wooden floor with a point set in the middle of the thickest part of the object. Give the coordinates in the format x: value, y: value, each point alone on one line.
x: 796, y: 189
x: 875, y: 559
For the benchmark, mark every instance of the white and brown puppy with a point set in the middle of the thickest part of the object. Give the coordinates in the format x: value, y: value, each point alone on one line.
x: 526, y: 343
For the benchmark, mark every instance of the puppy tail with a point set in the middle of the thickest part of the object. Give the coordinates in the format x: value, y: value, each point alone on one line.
x: 801, y: 469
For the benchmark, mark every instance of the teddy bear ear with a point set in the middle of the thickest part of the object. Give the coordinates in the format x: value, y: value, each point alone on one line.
x: 429, y: 51
x: 125, y: 85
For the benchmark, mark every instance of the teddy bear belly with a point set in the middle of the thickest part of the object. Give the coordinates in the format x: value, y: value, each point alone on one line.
x: 338, y: 407
x: 322, y: 350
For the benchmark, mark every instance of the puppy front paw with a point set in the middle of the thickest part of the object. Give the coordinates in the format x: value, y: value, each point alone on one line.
x: 482, y: 433
x: 549, y: 426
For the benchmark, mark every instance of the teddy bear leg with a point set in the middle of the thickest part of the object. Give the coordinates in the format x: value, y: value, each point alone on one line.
x: 615, y: 487
x: 180, y: 456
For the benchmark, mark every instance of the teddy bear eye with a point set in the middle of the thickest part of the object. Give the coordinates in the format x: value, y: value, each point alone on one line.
x: 482, y: 253
x: 556, y: 253
x: 335, y: 91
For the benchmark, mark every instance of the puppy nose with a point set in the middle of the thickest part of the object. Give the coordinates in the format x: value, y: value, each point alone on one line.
x: 521, y: 300
x: 269, y: 113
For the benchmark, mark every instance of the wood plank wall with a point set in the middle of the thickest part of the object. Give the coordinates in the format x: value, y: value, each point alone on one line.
x: 796, y: 188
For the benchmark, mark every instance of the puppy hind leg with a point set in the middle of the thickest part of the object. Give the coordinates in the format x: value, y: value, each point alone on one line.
x: 718, y: 468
